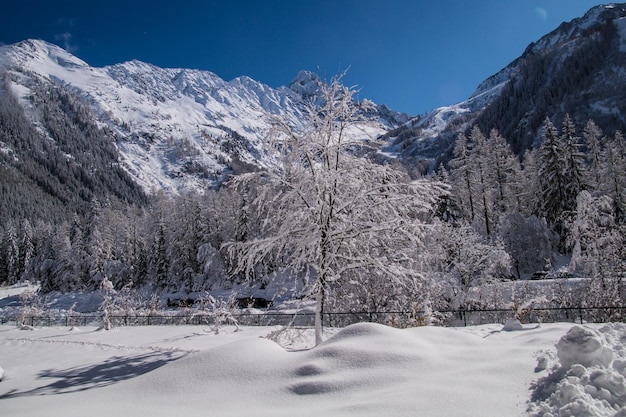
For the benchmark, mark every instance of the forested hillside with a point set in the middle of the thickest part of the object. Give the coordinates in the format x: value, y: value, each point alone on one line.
x: 53, y: 170
x: 577, y: 69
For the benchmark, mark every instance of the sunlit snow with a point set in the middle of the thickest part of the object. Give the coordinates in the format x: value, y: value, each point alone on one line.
x: 363, y: 370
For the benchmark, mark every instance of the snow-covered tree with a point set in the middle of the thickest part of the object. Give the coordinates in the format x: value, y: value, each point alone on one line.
x: 328, y: 215
x: 506, y: 174
x: 527, y: 239
x: 461, y: 177
x: 552, y: 175
x: 575, y: 170
x: 483, y: 180
x: 485, y: 175
x: 593, y: 138
x: 220, y: 311
x: 613, y: 175
x: 108, y: 303
x: 598, y: 247
x: 463, y: 259
x: 12, y: 254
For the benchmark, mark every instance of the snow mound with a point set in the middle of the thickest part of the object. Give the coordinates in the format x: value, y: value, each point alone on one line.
x: 585, y: 347
x: 512, y: 325
x: 1, y: 373
x: 589, y: 381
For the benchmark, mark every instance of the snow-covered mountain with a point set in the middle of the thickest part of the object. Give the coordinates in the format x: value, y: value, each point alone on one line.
x: 175, y: 129
x: 579, y: 69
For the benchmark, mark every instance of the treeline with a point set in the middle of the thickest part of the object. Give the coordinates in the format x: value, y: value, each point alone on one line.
x: 171, y: 244
x: 502, y: 219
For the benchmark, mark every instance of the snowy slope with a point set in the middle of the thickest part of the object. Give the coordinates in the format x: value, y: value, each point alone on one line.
x: 175, y: 128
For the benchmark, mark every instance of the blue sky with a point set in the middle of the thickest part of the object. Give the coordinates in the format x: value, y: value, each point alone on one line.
x: 413, y: 55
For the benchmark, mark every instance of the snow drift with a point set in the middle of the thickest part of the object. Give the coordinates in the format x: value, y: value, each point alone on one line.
x: 589, y: 378
x: 363, y: 370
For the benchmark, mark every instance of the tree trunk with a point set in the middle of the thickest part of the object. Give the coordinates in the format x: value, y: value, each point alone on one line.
x: 319, y: 314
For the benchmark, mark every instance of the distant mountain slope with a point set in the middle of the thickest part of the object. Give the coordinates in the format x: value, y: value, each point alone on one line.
x: 579, y: 68
x: 57, y: 167
x: 175, y: 129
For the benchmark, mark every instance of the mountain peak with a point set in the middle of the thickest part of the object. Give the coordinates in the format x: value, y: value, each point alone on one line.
x: 306, y: 84
x: 40, y: 56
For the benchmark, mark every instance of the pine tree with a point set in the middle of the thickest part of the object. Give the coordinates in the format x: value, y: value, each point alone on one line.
x: 593, y: 138
x: 552, y: 177
x: 613, y: 175
x: 159, y: 262
x: 27, y: 245
x: 12, y: 254
x: 575, y: 171
x: 461, y: 177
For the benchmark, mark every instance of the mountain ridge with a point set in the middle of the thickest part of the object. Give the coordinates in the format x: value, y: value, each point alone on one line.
x: 176, y: 129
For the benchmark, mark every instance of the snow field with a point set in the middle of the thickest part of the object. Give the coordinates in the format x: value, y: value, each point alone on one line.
x: 363, y: 370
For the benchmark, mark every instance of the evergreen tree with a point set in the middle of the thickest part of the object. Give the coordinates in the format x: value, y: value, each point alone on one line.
x: 613, y: 175
x: 27, y: 245
x: 12, y: 254
x: 593, y: 138
x: 553, y: 180
x: 461, y: 177
x: 159, y: 263
x: 575, y: 171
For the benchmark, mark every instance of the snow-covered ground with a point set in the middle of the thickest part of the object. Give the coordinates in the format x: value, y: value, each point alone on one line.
x: 362, y: 370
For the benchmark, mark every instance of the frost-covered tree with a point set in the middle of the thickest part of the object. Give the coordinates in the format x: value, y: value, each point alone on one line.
x: 462, y: 259
x: 552, y: 177
x: 598, y: 247
x: 485, y: 175
x: 575, y: 170
x: 527, y: 239
x: 613, y: 175
x: 108, y: 303
x: 506, y: 174
x: 482, y: 179
x: 461, y: 177
x: 328, y: 215
x: 12, y: 254
x: 530, y: 186
x: 593, y: 138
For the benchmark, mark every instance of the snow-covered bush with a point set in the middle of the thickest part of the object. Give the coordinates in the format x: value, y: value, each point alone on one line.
x: 220, y: 311
x: 31, y: 305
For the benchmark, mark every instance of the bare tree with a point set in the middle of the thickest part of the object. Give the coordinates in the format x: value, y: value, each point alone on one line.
x: 328, y: 213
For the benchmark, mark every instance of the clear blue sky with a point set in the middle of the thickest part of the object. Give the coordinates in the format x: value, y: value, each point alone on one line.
x: 413, y: 55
